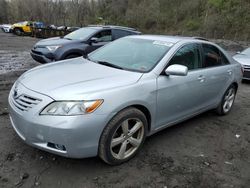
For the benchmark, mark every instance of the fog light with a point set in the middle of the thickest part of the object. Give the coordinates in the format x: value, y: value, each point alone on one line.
x: 60, y: 147
x: 56, y: 146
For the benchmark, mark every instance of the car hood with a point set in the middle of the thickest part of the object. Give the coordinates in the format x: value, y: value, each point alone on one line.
x: 6, y: 26
x: 54, y: 42
x: 18, y: 25
x: 242, y: 59
x: 75, y: 77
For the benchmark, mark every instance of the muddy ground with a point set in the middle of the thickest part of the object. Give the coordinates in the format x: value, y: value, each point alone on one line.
x: 206, y: 151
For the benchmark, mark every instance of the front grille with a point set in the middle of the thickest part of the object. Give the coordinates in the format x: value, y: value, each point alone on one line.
x: 246, y: 67
x: 25, y: 102
x: 246, y: 74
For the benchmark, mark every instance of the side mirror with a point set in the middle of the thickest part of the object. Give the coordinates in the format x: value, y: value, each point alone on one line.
x: 93, y: 40
x: 177, y: 70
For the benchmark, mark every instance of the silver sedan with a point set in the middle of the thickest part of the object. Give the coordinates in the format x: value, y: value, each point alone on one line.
x: 244, y: 59
x: 108, y: 103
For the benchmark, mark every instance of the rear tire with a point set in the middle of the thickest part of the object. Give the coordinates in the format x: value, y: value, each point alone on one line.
x: 227, y: 101
x: 123, y: 137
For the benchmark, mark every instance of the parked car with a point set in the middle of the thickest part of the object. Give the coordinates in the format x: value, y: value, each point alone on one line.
x: 78, y: 43
x: 244, y: 59
x: 109, y: 103
x: 24, y: 28
x: 6, y: 28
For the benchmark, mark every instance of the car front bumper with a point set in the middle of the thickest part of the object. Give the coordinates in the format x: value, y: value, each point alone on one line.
x: 77, y: 135
x: 40, y: 57
x: 6, y: 30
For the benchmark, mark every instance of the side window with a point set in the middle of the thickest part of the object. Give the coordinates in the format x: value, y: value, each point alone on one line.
x: 104, y: 36
x: 188, y: 56
x: 224, y: 59
x: 213, y: 56
x: 120, y: 33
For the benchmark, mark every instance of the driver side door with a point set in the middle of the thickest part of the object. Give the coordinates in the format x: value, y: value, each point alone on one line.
x: 103, y: 37
x: 180, y: 96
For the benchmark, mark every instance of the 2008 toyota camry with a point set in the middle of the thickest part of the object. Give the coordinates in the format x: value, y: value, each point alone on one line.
x: 108, y: 103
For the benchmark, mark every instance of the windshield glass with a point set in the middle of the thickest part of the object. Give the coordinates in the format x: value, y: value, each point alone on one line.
x: 80, y: 34
x: 132, y: 54
x: 246, y: 51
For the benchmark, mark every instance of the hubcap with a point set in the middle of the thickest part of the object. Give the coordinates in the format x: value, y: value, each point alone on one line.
x: 127, y: 138
x: 228, y: 100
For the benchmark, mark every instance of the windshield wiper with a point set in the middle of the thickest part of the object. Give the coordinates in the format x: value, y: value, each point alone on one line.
x: 109, y: 64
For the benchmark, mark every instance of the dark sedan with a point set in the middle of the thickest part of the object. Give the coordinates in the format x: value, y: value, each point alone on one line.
x: 78, y: 43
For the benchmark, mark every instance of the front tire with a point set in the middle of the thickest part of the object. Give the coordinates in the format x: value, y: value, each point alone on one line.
x: 227, y: 101
x: 18, y: 31
x: 123, y: 137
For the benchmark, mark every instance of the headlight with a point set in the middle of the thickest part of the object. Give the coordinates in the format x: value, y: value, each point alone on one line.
x: 71, y: 108
x: 53, y: 48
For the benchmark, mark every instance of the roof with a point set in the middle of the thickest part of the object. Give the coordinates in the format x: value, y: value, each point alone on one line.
x: 166, y: 38
x: 112, y: 27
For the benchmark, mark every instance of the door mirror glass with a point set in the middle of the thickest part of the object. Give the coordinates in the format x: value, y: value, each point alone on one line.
x: 177, y: 70
x: 94, y: 40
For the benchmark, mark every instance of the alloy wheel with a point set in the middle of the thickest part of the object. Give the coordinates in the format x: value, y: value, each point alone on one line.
x: 127, y: 138
x: 229, y: 100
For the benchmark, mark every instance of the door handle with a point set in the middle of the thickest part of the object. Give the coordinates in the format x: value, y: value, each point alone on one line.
x: 229, y: 72
x: 201, y: 78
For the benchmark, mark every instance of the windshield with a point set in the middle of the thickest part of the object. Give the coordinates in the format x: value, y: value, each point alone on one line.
x: 246, y: 52
x: 80, y: 34
x: 132, y: 54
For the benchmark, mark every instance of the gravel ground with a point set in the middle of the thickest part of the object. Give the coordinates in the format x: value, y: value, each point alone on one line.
x: 206, y: 151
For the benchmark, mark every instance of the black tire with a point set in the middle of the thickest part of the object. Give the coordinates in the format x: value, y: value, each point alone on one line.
x: 72, y: 56
x: 105, y: 148
x: 220, y: 109
x: 18, y: 31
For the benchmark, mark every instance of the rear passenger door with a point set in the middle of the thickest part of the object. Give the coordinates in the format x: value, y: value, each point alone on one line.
x: 217, y: 73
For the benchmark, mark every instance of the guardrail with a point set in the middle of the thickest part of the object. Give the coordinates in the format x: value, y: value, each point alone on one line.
x: 47, y: 32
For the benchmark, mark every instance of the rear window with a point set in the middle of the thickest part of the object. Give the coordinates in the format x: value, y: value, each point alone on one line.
x: 213, y: 56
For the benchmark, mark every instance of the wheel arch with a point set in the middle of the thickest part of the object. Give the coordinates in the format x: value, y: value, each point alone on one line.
x: 20, y: 28
x: 140, y: 107
x: 71, y: 52
x: 146, y: 112
x: 235, y: 84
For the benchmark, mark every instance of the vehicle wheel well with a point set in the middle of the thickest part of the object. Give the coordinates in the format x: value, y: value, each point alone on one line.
x: 21, y: 29
x: 235, y: 85
x: 146, y: 112
x: 73, y: 54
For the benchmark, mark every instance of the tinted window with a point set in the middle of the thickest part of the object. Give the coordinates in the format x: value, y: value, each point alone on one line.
x: 104, y: 36
x: 132, y: 54
x: 120, y: 33
x: 188, y: 56
x: 213, y: 56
